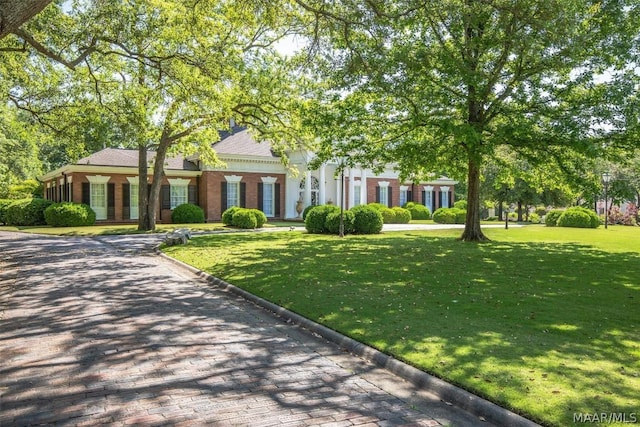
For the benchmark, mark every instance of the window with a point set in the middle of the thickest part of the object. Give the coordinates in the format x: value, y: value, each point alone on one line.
x: 444, y: 197
x: 233, y: 194
x: 356, y: 195
x: 428, y: 202
x: 315, y: 190
x: 384, y: 196
x: 268, y: 199
x: 178, y: 193
x: 404, y: 195
x: 134, y: 191
x: 97, y: 193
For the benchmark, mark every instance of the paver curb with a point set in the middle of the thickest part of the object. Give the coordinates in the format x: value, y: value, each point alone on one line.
x: 449, y: 393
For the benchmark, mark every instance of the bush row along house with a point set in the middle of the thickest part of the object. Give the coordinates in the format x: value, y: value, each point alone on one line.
x: 254, y: 177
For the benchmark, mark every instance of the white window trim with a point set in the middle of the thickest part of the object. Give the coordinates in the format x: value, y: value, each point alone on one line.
x: 98, y: 179
x: 428, y: 188
x: 445, y: 189
x: 385, y: 185
x: 233, y: 179
x: 268, y: 179
x: 179, y: 183
x: 69, y: 179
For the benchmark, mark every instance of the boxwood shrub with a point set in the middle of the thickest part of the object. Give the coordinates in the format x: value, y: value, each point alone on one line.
x: 402, y: 216
x: 367, y: 219
x: 418, y: 211
x: 461, y: 204
x: 187, y: 213
x: 27, y: 212
x: 332, y: 223
x: 444, y: 216
x: 461, y: 215
x: 388, y: 215
x: 551, y: 218
x: 316, y: 218
x: 67, y: 214
x: 261, y: 218
x: 244, y: 218
x: 227, y: 215
x: 306, y: 211
x: 579, y: 217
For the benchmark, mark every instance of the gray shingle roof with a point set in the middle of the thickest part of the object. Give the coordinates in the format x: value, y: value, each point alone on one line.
x: 241, y: 143
x: 129, y: 158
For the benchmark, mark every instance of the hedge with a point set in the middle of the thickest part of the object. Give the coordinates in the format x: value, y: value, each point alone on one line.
x: 67, y: 214
x: 187, y: 213
x: 316, y: 218
x: 551, y: 218
x: 444, y: 216
x: 332, y: 223
x: 227, y: 215
x: 27, y: 212
x: 418, y: 211
x: 244, y: 218
x: 368, y: 219
x: 4, y: 204
x: 579, y: 217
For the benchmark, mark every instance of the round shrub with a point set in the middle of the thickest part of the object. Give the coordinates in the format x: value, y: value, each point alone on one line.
x: 187, y: 214
x: 368, y: 220
x: 69, y: 214
x: 461, y: 204
x: 332, y: 223
x: 388, y: 215
x: 534, y: 218
x: 461, y: 215
x: 403, y: 216
x: 378, y: 206
x: 444, y: 216
x: 227, y: 216
x: 579, y: 217
x: 261, y: 218
x: 418, y: 211
x: 306, y: 211
x: 244, y: 218
x: 551, y: 219
x: 316, y: 218
x: 27, y: 212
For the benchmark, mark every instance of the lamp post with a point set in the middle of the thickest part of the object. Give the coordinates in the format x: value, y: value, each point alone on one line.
x: 341, y: 233
x: 606, y: 177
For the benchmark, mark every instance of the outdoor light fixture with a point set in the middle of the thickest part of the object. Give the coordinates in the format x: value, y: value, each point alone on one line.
x: 606, y: 177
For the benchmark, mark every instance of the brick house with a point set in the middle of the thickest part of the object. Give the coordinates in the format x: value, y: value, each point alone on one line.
x: 254, y: 177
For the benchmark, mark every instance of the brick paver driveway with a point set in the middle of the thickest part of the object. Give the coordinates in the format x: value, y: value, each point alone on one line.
x: 92, y: 334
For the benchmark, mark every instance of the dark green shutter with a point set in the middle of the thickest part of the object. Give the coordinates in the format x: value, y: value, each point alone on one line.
x: 165, y: 197
x: 424, y: 198
x: 433, y: 201
x: 193, y: 194
x: 389, y: 197
x: 261, y: 196
x: 377, y: 194
x: 276, y: 198
x: 86, y: 193
x: 111, y: 201
x: 450, y: 199
x: 409, y: 196
x: 243, y: 194
x: 223, y: 195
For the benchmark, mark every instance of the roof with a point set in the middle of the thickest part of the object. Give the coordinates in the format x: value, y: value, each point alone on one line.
x: 129, y: 158
x: 239, y: 142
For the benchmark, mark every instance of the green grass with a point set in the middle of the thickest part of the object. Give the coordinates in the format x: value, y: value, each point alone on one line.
x: 543, y: 321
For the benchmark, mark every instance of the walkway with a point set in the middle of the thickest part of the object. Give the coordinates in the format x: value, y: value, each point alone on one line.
x: 97, y: 331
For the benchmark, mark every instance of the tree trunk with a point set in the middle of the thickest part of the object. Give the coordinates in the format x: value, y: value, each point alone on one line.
x: 158, y: 175
x: 143, y: 191
x: 472, y: 231
x: 519, y: 211
x: 14, y: 13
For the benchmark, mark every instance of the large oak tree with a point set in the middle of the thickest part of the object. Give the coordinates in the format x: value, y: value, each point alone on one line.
x: 441, y: 84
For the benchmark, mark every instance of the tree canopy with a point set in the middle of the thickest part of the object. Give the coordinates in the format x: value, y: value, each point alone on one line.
x: 443, y: 84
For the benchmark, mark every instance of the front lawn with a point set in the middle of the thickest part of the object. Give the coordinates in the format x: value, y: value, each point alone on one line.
x: 544, y: 321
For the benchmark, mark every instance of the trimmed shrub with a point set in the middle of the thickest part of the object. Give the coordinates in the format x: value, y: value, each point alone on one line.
x: 378, y: 206
x: 461, y: 204
x: 388, y: 215
x: 368, y: 220
x: 444, y: 216
x: 403, y: 216
x: 461, y: 215
x: 261, y: 218
x: 418, y: 211
x: 187, y: 213
x: 577, y: 217
x: 534, y: 218
x: 551, y: 218
x: 69, y: 214
x: 227, y: 216
x: 316, y: 218
x: 244, y: 218
x: 27, y: 212
x: 306, y: 211
x: 4, y: 204
x: 332, y: 223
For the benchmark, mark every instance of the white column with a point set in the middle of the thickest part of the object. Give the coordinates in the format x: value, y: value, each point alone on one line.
x: 291, y: 196
x: 307, y: 188
x: 352, y: 188
x: 363, y: 186
x: 322, y: 193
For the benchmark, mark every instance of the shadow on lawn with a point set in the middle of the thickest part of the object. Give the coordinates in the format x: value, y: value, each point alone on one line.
x: 89, y: 335
x: 511, y: 321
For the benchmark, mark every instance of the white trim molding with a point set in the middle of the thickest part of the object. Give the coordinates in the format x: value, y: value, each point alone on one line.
x: 445, y: 189
x: 428, y: 188
x: 233, y: 178
x: 179, y: 182
x: 268, y: 179
x: 383, y: 183
x: 98, y: 179
x: 135, y: 180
